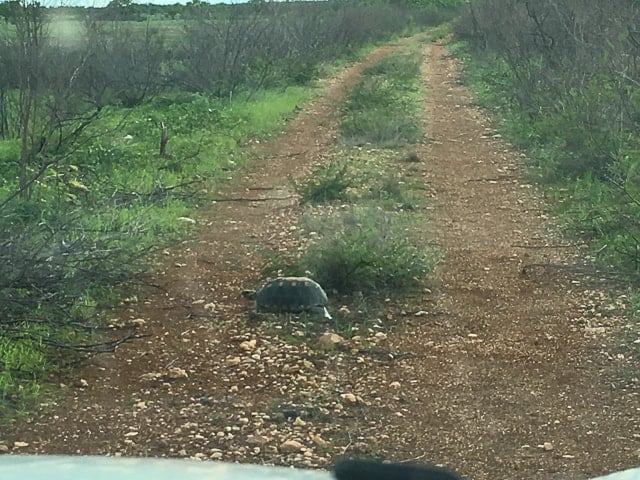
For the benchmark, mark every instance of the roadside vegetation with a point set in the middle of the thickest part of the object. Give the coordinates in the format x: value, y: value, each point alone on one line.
x: 564, y: 80
x: 115, y: 124
x: 361, y: 234
x: 383, y: 110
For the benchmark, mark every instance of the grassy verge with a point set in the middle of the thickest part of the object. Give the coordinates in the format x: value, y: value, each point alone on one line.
x: 93, y: 221
x: 588, y: 169
x: 362, y: 210
x: 382, y: 110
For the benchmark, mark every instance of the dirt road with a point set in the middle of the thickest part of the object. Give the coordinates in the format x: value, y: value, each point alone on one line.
x: 503, y: 373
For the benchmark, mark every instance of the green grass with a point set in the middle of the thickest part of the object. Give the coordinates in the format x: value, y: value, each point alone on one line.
x: 120, y: 201
x: 383, y: 109
x: 265, y: 111
x: 365, y: 245
x: 330, y: 182
x: 9, y: 155
x: 364, y: 249
x: 363, y: 176
x: 438, y: 32
x: 206, y: 139
x: 23, y: 366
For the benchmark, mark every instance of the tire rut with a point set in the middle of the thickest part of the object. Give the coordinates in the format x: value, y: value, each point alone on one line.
x: 501, y: 375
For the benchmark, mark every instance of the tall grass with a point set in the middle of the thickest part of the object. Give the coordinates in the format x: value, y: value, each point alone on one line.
x: 367, y: 250
x: 383, y: 108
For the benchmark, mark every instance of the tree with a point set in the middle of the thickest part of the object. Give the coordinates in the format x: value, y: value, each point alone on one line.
x: 9, y: 10
x: 30, y: 36
x: 122, y: 10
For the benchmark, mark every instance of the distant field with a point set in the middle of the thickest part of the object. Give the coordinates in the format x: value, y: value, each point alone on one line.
x: 69, y: 30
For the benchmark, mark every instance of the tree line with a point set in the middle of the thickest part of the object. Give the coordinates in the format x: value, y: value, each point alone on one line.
x: 53, y: 86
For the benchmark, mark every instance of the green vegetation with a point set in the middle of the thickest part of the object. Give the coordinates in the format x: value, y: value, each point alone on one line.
x: 359, y: 175
x: 365, y: 246
x: 91, y: 225
x: 365, y: 249
x: 116, y: 123
x: 384, y: 107
x: 572, y: 102
x: 329, y: 183
x: 574, y: 109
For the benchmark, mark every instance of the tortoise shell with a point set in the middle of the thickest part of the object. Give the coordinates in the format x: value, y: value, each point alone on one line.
x: 292, y: 294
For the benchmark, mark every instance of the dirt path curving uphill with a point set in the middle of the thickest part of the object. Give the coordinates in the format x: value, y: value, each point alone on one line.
x: 501, y: 375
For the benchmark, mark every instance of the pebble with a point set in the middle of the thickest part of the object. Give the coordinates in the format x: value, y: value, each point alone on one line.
x: 248, y: 345
x: 233, y: 361
x: 177, y: 372
x: 291, y: 446
x: 349, y: 397
x: 329, y: 339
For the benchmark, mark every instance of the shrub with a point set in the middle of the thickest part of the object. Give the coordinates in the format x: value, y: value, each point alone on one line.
x: 376, y: 127
x: 366, y: 250
x: 329, y: 182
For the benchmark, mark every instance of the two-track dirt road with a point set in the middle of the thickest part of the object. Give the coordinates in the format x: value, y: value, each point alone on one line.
x: 503, y: 375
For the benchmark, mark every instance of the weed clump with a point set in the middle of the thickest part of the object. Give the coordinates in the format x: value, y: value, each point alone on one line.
x: 329, y: 183
x: 362, y: 249
x: 359, y: 176
x: 382, y: 108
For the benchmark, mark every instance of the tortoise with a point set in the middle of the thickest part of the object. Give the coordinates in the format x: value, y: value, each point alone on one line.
x: 291, y: 294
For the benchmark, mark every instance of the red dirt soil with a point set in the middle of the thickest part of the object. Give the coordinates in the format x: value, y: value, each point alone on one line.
x: 501, y: 371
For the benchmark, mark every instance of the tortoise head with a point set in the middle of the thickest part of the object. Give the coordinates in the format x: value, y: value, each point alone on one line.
x: 249, y: 294
x: 321, y: 310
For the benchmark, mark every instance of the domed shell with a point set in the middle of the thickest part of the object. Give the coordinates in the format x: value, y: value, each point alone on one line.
x: 292, y: 294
